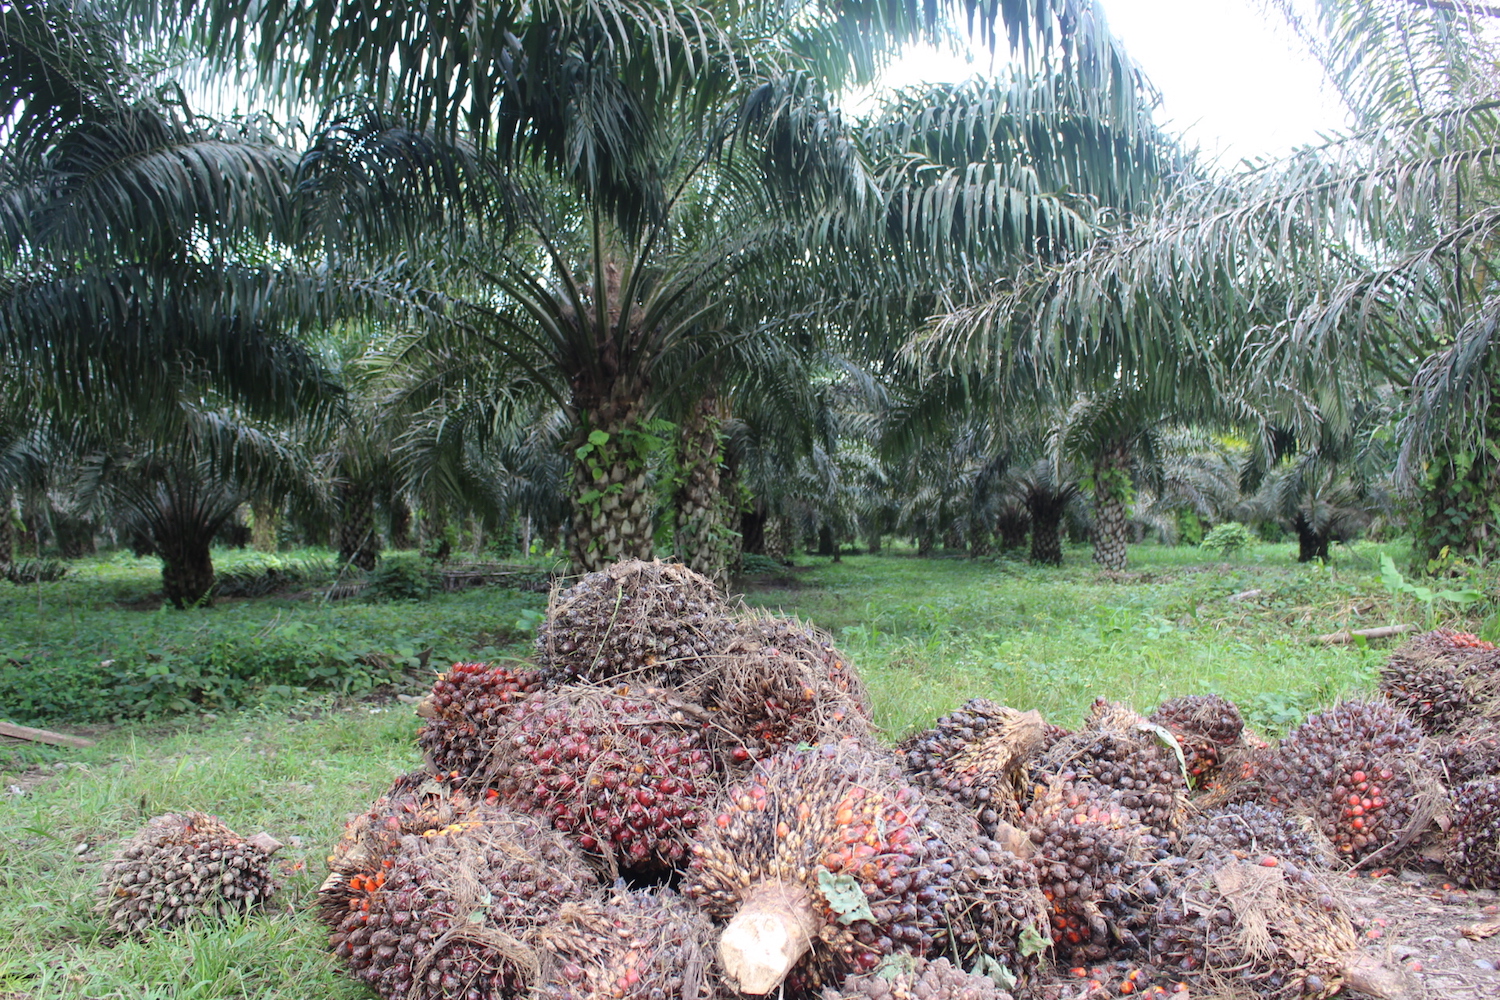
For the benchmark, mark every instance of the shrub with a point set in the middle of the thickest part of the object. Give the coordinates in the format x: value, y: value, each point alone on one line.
x: 1228, y: 538
x: 33, y: 570
x: 402, y: 578
x: 752, y: 563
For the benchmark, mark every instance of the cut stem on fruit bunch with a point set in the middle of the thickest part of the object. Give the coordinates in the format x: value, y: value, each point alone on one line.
x: 772, y: 930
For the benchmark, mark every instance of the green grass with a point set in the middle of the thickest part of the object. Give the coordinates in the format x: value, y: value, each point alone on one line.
x: 927, y: 634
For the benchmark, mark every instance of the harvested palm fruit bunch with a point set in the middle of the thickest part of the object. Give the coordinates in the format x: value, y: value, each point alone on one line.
x: 641, y: 623
x: 1473, y: 857
x: 185, y: 865
x: 780, y: 683
x: 454, y: 915
x: 414, y: 804
x: 468, y: 708
x: 1359, y: 770
x: 627, y: 774
x: 1253, y: 832
x: 1443, y: 679
x: 1206, y: 726
x: 917, y: 979
x: 1472, y: 752
x: 1096, y: 863
x: 1106, y: 980
x: 633, y: 946
x: 821, y: 864
x: 1128, y: 758
x: 997, y: 917
x: 1270, y: 929
x: 975, y: 757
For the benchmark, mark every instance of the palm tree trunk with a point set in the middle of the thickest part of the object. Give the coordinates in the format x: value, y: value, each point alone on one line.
x: 703, y: 537
x: 401, y: 524
x: 777, y: 538
x: 1311, y: 543
x: 612, y: 512
x: 1046, y: 509
x: 1111, y: 491
x: 1012, y: 526
x: 872, y: 538
x: 7, y: 530
x: 358, y: 544
x: 265, y: 522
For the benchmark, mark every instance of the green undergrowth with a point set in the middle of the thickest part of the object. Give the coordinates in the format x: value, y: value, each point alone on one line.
x: 296, y: 776
x: 927, y: 634
x: 93, y: 646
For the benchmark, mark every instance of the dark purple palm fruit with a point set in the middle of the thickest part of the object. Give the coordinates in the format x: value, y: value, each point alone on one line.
x: 1473, y: 857
x: 455, y: 913
x: 975, y: 758
x: 627, y: 774
x: 1207, y: 727
x: 817, y: 865
x: 1357, y: 769
x: 780, y: 684
x: 638, y: 623
x: 1097, y: 868
x: 468, y: 708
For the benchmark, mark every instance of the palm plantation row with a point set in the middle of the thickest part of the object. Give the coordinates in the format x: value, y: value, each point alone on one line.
x: 624, y: 276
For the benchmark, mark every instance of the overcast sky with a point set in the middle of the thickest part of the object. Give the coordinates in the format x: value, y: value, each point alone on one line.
x: 1233, y: 78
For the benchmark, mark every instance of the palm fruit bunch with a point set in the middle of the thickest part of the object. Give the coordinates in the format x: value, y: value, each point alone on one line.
x: 781, y: 683
x: 626, y: 774
x: 1356, y: 768
x: 918, y: 979
x: 822, y: 865
x: 1206, y: 727
x: 1442, y: 679
x: 184, y: 865
x: 366, y: 850
x: 1096, y: 864
x: 641, y: 945
x: 1125, y: 757
x: 1269, y: 928
x: 974, y: 757
x: 997, y: 917
x: 1473, y: 858
x: 645, y: 623
x: 467, y: 710
x: 1471, y: 753
x: 453, y: 915
x: 1251, y: 831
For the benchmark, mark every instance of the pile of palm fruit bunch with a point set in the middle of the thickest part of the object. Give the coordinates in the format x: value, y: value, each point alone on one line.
x: 678, y: 798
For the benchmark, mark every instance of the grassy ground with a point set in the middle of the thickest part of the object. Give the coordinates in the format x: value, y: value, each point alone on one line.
x: 926, y: 633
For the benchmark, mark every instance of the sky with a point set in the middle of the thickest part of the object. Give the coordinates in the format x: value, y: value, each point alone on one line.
x: 1233, y: 78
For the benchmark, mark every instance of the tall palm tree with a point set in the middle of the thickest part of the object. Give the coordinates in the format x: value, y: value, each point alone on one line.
x: 667, y: 132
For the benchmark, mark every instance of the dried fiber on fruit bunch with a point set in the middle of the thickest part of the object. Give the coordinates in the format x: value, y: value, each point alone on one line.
x: 975, y: 757
x: 1270, y: 929
x: 1252, y: 832
x: 642, y: 945
x: 1207, y: 727
x: 454, y: 915
x: 1098, y: 868
x: 627, y: 774
x: 643, y: 623
x: 917, y: 979
x: 1125, y: 756
x: 781, y: 683
x: 1473, y: 857
x: 997, y: 918
x: 468, y: 707
x: 1360, y: 771
x: 415, y: 803
x: 185, y: 865
x: 821, y: 864
x: 1443, y: 679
